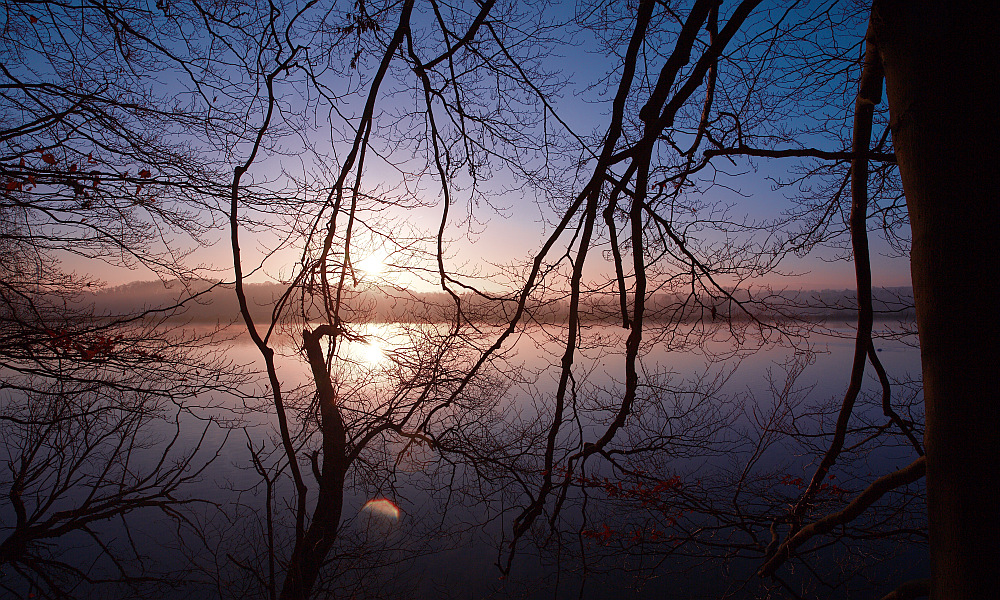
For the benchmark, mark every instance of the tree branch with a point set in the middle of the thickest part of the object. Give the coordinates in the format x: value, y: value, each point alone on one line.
x: 843, y: 155
x: 917, y: 588
x: 872, y: 493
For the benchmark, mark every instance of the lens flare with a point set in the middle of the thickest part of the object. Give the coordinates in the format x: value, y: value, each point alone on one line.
x: 383, y: 507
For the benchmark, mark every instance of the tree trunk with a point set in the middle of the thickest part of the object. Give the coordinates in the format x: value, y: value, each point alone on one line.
x: 310, y: 552
x: 941, y: 72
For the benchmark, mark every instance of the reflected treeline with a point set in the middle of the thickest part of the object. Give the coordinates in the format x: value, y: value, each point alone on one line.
x: 214, y: 302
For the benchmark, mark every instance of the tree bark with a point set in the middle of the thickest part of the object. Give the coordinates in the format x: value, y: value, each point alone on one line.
x: 940, y: 61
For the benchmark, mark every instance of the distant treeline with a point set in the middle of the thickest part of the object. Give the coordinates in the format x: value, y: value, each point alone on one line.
x: 213, y: 302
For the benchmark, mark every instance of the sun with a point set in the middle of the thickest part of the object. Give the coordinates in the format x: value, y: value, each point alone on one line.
x: 372, y: 266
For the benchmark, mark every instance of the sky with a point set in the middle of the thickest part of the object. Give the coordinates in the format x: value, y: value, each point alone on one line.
x: 514, y: 232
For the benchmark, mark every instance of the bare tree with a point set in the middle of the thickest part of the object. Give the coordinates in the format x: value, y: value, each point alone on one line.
x: 673, y: 282
x: 107, y: 418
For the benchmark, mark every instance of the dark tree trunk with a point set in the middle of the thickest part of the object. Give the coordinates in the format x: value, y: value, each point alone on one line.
x: 310, y: 552
x: 941, y: 72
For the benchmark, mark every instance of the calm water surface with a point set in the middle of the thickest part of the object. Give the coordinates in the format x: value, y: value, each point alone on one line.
x: 469, y: 570
x: 459, y: 562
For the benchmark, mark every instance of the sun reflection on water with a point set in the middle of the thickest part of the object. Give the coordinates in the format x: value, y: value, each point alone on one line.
x: 372, y: 352
x: 375, y: 347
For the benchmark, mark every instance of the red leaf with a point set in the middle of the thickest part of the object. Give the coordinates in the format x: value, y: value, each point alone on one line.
x: 145, y: 174
x: 33, y: 19
x: 49, y: 159
x: 72, y: 168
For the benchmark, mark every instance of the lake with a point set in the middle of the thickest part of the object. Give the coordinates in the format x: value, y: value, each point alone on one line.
x: 703, y: 412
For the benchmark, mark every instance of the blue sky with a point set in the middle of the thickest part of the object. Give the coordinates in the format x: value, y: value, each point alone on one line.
x: 514, y: 231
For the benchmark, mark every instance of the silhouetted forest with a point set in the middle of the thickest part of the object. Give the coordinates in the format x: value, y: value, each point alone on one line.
x: 214, y: 302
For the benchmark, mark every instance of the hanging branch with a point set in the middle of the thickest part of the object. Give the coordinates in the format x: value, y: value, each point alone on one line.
x: 869, y: 95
